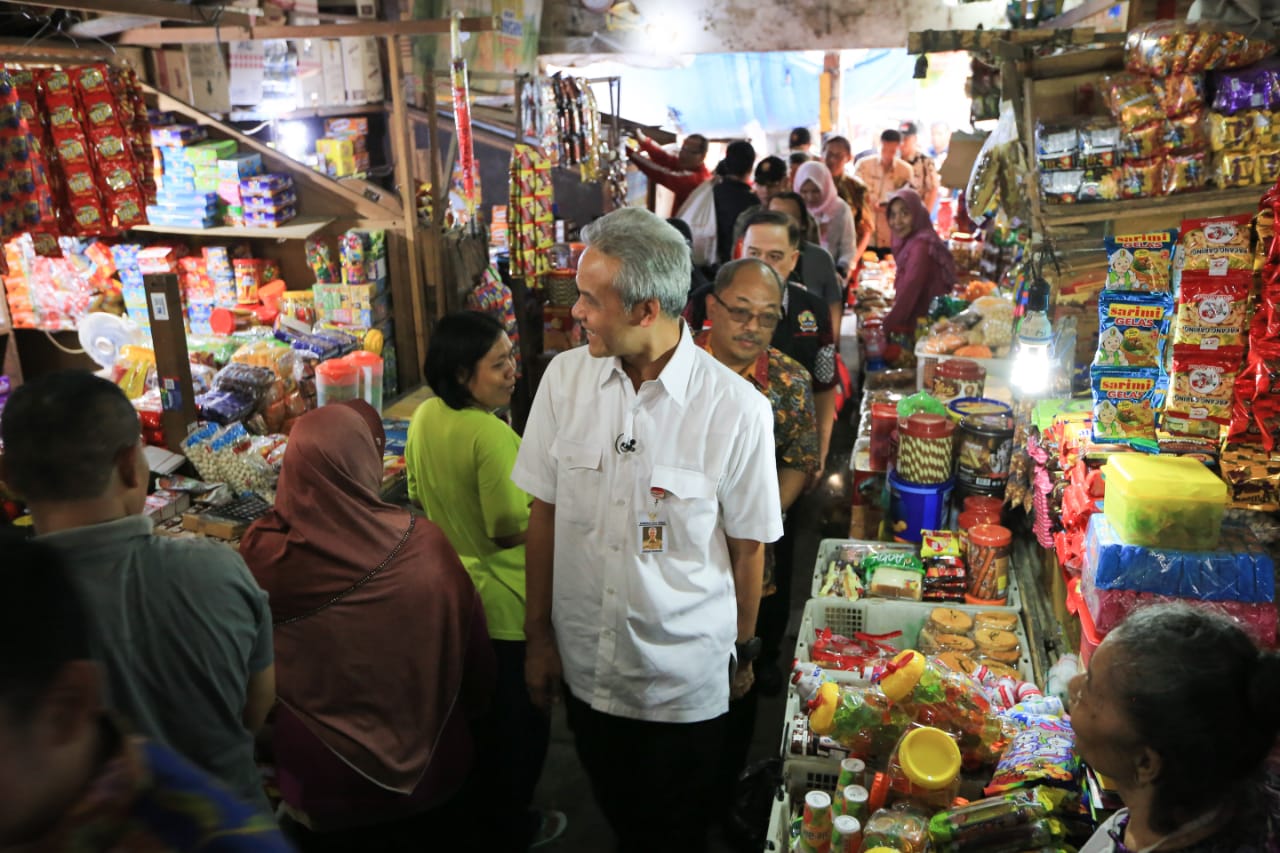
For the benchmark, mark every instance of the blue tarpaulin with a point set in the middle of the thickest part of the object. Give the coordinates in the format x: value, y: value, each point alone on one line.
x: 723, y: 94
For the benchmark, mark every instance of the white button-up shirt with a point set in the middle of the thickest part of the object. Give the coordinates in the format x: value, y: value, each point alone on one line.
x: 649, y: 636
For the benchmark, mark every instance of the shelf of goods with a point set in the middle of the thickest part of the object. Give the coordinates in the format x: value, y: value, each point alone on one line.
x: 299, y: 228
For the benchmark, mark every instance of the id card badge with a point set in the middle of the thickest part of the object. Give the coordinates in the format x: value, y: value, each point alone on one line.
x: 653, y: 539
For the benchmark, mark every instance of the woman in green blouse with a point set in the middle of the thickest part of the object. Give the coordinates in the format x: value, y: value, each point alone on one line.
x: 459, y: 457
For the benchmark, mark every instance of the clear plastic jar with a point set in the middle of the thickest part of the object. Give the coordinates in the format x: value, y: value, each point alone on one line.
x: 925, y: 769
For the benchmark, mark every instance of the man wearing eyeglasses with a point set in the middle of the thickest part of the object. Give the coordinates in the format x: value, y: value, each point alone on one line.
x: 745, y: 307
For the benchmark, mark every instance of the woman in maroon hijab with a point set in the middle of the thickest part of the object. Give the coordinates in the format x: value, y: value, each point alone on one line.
x: 382, y: 654
x: 925, y: 266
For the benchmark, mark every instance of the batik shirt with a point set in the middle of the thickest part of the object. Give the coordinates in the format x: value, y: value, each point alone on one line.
x: 789, y: 390
x: 147, y: 799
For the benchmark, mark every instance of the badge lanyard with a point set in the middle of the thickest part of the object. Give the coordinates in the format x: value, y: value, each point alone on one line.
x: 653, y: 531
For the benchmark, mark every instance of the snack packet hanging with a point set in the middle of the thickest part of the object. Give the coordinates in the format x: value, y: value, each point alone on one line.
x: 1217, y: 244
x: 1125, y: 404
x: 1141, y: 262
x: 1132, y: 328
x: 1201, y: 385
x: 1142, y: 179
x: 1180, y: 93
x: 1132, y: 99
x: 1143, y: 143
x: 1186, y: 133
x: 1186, y: 173
x: 1212, y: 311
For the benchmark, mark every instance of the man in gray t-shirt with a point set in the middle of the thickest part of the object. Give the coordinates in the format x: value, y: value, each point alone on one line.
x: 180, y: 627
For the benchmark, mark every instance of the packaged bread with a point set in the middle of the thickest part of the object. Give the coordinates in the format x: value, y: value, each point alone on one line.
x: 948, y: 620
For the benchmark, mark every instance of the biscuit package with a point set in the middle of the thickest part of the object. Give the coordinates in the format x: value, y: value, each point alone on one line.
x: 1201, y: 386
x: 1125, y: 404
x: 1216, y: 245
x: 1141, y: 262
x: 1132, y: 329
x: 1212, y: 312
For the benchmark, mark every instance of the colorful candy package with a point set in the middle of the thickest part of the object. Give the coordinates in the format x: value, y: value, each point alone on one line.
x: 1140, y: 261
x: 1125, y: 403
x: 1186, y: 133
x: 1132, y: 328
x: 1202, y: 384
x: 1217, y: 244
x: 1230, y: 133
x: 1142, y: 179
x: 1235, y: 168
x: 1132, y: 100
x: 1212, y: 311
x: 1039, y: 755
x: 1186, y: 172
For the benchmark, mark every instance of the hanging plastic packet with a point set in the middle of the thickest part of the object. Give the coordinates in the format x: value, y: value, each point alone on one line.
x: 1201, y: 386
x: 1132, y: 328
x: 1212, y: 311
x: 1186, y: 173
x: 1144, y: 179
x: 1217, y: 244
x: 1132, y: 99
x: 1125, y: 404
x: 1141, y: 262
x: 1235, y: 169
x: 1186, y: 133
x: 1180, y: 93
x: 1143, y: 143
x: 1230, y: 133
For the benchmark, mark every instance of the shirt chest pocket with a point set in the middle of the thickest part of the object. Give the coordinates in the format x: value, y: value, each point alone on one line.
x: 689, y: 507
x: 579, y: 481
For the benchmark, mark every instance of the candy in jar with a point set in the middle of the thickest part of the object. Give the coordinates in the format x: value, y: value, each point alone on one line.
x: 925, y: 768
x: 934, y: 695
x: 862, y: 720
x: 903, y: 827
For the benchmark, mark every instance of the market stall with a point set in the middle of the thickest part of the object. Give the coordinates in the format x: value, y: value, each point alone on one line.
x: 1085, y: 433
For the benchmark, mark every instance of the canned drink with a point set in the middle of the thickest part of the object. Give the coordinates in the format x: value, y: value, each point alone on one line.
x: 815, y: 830
x: 856, y: 801
x: 846, y: 835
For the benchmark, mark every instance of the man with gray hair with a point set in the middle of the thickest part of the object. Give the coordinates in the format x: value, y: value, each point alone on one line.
x: 645, y: 550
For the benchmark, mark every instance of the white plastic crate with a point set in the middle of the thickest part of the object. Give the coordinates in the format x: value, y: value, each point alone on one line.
x: 829, y: 547
x: 883, y: 616
x: 800, y: 774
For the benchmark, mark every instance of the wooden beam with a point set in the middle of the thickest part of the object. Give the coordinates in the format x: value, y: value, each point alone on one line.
x: 164, y: 10
x: 439, y: 198
x: 400, y: 152
x: 156, y: 36
x: 1084, y: 11
x: 938, y: 41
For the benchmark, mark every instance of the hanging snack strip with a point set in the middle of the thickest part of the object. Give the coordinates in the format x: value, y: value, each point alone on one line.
x: 530, y: 219
x: 26, y: 197
x: 462, y: 117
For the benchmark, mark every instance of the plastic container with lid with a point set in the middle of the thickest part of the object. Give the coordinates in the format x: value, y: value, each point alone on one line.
x: 984, y: 451
x: 846, y: 834
x: 925, y: 768
x: 336, y: 380
x: 368, y: 368
x: 1168, y: 502
x: 925, y: 448
x: 884, y: 421
x: 988, y: 561
x: 904, y: 828
x: 968, y: 520
x: 915, y: 508
x: 958, y: 377
x: 815, y: 830
x: 963, y: 407
x: 988, y: 505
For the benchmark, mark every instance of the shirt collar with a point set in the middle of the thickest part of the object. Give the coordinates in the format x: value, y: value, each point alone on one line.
x: 675, y: 375
x: 106, y: 534
x: 759, y: 372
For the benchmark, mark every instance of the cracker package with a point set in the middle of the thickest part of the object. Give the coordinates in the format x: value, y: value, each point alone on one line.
x: 1212, y: 312
x: 1201, y: 386
x: 1217, y: 244
x: 1141, y: 261
x: 1132, y: 329
x: 1125, y: 404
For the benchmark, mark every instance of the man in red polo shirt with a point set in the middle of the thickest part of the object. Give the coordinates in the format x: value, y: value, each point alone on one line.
x: 681, y: 173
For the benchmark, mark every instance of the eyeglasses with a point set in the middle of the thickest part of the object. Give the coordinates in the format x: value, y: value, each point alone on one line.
x: 741, y: 316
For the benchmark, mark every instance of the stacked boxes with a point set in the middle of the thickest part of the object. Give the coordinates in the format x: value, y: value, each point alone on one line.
x: 269, y: 200
x: 343, y: 151
x: 125, y: 258
x: 218, y: 266
x: 362, y: 303
x: 231, y: 171
x: 188, y: 179
x: 198, y: 292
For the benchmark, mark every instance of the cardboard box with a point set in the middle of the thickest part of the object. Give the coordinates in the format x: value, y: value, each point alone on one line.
x: 311, y: 86
x: 210, y: 82
x: 333, y: 72
x: 362, y: 71
x: 962, y: 151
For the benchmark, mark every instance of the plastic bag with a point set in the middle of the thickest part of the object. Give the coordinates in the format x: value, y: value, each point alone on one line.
x: 991, y: 184
x: 699, y: 213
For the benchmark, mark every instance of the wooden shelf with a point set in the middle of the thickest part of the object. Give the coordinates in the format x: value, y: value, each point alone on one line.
x: 311, y: 112
x: 1246, y: 198
x: 299, y: 229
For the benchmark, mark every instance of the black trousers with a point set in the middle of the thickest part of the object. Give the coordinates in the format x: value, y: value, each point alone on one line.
x: 775, y: 610
x: 655, y: 782
x: 514, y: 747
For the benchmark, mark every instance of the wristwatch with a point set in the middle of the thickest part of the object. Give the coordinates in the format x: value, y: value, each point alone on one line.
x: 748, y: 651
